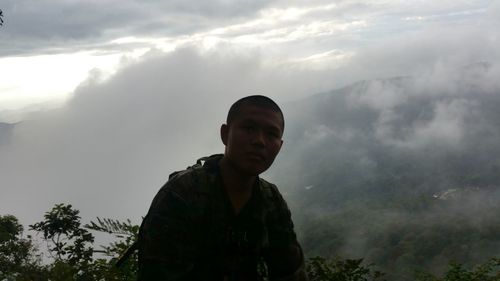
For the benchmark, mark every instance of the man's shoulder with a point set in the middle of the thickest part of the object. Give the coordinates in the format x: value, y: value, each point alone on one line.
x: 267, y: 188
x: 195, y: 179
x: 277, y: 213
x: 271, y: 195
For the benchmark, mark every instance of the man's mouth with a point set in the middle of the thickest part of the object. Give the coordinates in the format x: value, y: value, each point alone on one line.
x: 257, y: 156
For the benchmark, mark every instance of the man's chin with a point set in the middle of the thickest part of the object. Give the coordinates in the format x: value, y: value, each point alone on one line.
x: 250, y: 168
x: 254, y: 170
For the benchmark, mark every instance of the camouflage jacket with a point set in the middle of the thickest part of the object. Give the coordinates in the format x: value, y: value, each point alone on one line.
x: 191, y: 232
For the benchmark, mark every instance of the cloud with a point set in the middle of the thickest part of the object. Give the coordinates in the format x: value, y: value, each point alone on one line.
x: 437, y: 106
x: 85, y: 19
x: 112, y: 145
x: 55, y: 25
x: 92, y: 25
x: 378, y: 94
x: 447, y: 126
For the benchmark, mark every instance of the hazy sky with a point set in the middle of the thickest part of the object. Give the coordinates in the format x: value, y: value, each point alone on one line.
x: 137, y: 89
x: 48, y: 47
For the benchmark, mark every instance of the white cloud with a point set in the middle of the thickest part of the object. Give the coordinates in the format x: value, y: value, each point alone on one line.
x: 50, y: 76
x: 447, y: 126
x: 113, y: 144
x: 378, y: 94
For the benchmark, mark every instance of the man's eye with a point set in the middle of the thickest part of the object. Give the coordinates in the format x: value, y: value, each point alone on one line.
x: 273, y: 134
x: 248, y: 128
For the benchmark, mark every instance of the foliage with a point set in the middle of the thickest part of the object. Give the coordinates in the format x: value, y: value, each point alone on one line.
x: 18, y: 257
x: 73, y: 256
x: 121, y: 229
x: 9, y: 228
x: 67, y: 241
x: 126, y: 234
x: 400, y: 240
x: 321, y: 269
x: 489, y: 271
x: 1, y: 17
x: 71, y: 246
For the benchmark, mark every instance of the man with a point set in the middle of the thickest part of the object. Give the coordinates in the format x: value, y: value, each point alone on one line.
x: 218, y: 220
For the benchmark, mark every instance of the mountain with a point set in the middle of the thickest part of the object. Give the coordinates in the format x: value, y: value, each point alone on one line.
x: 5, y: 132
x: 368, y: 166
x: 374, y: 134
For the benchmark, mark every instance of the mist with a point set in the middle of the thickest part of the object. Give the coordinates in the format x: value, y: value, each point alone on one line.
x: 114, y: 143
x: 378, y: 138
x: 401, y: 171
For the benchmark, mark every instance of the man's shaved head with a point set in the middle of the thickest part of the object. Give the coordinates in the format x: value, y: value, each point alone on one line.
x: 254, y: 100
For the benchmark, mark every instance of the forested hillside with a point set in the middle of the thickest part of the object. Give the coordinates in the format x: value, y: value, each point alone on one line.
x: 402, y: 171
x: 72, y: 254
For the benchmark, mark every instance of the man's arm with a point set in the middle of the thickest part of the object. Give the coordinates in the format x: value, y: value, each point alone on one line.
x: 285, y: 259
x: 166, y: 242
x: 287, y: 264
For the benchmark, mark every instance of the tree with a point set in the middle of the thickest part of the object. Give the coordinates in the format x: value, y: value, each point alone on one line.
x: 71, y: 247
x: 1, y: 17
x: 126, y: 234
x: 489, y: 271
x: 69, y: 244
x: 321, y: 269
x: 19, y: 258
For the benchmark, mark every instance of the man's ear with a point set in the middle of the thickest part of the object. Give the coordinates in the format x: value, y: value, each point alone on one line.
x: 281, y: 145
x: 224, y: 131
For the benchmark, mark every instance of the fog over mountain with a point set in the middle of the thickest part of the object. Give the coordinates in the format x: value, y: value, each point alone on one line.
x: 5, y: 132
x: 402, y: 171
x: 364, y: 166
x: 447, y: 133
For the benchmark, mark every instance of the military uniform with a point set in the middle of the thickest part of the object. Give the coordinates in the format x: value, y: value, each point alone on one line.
x: 192, y: 233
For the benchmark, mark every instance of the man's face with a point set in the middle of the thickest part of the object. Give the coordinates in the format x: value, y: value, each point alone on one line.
x: 253, y: 139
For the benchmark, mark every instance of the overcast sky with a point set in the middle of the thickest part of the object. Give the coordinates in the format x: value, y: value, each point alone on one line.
x: 115, y: 95
x: 48, y: 47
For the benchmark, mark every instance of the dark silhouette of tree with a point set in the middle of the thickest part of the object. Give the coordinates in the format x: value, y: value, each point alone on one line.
x: 69, y: 244
x: 1, y: 17
x: 125, y: 234
x: 321, y: 269
x: 488, y: 271
x: 73, y: 255
x: 18, y: 256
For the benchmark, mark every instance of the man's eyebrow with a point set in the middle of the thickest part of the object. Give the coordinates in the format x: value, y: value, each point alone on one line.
x: 248, y: 121
x: 251, y: 121
x: 273, y: 127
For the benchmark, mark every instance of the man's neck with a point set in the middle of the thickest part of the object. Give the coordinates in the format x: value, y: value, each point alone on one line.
x: 238, y: 186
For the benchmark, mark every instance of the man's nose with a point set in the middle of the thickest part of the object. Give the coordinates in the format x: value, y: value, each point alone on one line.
x: 259, y: 138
